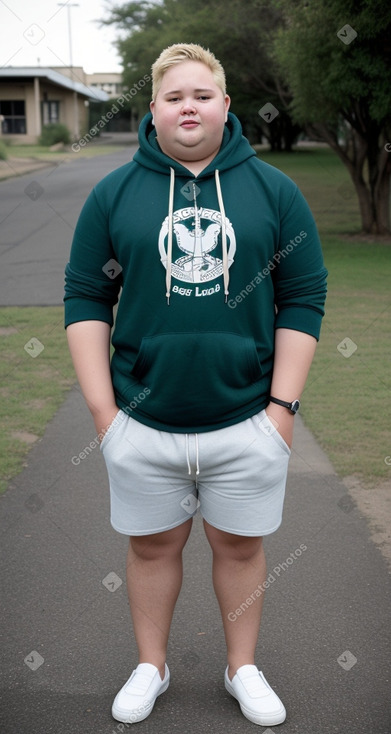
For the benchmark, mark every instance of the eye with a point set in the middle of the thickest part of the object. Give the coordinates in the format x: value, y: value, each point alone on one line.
x: 203, y: 97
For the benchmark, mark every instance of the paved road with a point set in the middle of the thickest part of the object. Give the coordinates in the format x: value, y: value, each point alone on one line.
x: 38, y: 214
x: 67, y: 641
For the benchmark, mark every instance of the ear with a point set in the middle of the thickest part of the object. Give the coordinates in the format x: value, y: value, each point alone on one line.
x: 227, y: 102
x: 151, y: 107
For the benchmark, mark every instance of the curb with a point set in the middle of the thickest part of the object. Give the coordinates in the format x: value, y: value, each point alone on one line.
x: 11, y: 169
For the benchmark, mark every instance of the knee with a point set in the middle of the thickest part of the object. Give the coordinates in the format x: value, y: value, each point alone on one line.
x: 161, y: 546
x: 233, y: 547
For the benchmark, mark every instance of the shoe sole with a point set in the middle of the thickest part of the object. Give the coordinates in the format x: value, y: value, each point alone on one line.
x: 134, y: 718
x: 261, y: 720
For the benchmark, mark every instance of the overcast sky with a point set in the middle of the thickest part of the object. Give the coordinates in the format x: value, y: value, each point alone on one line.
x: 38, y: 29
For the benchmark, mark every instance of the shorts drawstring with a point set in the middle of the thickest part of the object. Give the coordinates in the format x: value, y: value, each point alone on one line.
x: 197, y: 456
x: 188, y: 454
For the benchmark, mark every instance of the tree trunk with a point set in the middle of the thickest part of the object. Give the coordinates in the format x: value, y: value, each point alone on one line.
x: 290, y: 134
x: 382, y: 192
x: 382, y: 207
x: 374, y: 195
x: 368, y: 220
x: 374, y: 208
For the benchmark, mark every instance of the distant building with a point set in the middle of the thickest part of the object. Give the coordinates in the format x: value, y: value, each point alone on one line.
x: 31, y: 97
x: 110, y: 83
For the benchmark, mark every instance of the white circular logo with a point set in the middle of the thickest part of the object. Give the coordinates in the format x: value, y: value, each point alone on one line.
x: 197, y: 265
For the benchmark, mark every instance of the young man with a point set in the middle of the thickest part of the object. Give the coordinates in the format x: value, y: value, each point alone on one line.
x: 223, y: 288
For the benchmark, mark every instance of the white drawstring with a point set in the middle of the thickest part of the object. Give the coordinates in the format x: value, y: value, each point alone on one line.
x: 170, y: 228
x: 223, y: 235
x: 188, y: 454
x: 197, y: 455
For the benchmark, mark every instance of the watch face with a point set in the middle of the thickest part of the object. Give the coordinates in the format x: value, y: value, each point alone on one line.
x: 295, y: 406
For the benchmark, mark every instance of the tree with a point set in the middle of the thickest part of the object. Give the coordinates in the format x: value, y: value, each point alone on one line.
x: 239, y: 35
x: 336, y: 57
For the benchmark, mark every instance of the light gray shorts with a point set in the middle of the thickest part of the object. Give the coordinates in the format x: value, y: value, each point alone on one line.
x: 236, y: 476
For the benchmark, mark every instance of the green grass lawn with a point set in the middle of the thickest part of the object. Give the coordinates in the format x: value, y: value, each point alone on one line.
x: 33, y: 380
x: 346, y: 401
x: 43, y: 153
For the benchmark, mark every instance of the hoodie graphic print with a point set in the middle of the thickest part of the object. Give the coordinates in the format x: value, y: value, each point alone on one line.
x: 204, y: 270
x: 197, y: 262
x: 197, y: 242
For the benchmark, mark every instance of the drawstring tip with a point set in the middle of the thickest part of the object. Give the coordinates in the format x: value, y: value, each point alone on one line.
x: 226, y: 293
x: 168, y: 299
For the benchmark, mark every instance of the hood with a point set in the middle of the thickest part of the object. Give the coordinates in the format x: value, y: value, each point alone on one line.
x: 234, y: 149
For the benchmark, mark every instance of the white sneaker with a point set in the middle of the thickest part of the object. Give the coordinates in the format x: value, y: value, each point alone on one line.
x: 257, y: 700
x: 136, y: 699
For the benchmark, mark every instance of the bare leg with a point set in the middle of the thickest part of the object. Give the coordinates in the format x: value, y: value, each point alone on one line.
x: 154, y: 576
x: 239, y: 569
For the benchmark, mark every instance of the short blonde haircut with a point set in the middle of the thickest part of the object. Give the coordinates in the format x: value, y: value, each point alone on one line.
x: 179, y: 52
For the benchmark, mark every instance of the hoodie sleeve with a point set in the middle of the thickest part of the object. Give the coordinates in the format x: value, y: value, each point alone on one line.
x: 300, y: 275
x: 92, y: 276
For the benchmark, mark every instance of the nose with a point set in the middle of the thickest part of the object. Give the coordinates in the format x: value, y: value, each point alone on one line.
x: 188, y: 108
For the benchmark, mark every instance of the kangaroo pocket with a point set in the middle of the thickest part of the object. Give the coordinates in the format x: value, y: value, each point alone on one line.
x: 196, y: 378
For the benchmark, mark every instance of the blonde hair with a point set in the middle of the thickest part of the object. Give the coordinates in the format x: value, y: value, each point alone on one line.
x: 179, y: 52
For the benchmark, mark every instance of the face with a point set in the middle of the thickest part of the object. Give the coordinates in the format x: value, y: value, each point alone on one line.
x: 189, y: 113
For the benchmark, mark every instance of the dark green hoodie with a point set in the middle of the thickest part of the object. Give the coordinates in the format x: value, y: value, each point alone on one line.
x: 194, y: 332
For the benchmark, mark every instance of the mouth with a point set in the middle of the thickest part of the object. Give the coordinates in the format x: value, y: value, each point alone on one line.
x: 189, y: 124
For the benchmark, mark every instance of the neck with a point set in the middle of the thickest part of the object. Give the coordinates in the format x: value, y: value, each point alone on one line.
x: 196, y: 167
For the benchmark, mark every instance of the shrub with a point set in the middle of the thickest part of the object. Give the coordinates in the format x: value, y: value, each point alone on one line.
x: 3, y: 151
x: 54, y: 133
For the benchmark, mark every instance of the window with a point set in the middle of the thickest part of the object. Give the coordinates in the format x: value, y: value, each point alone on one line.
x: 50, y: 112
x: 13, y: 112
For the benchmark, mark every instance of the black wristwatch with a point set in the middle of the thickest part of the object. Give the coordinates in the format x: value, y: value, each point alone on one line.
x: 293, y: 407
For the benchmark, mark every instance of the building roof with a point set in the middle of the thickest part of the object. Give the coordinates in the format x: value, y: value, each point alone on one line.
x: 29, y: 72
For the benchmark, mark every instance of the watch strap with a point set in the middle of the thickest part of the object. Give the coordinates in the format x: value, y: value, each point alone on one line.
x: 285, y: 404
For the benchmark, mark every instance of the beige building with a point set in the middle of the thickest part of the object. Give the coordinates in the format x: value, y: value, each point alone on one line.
x: 31, y: 97
x: 106, y: 82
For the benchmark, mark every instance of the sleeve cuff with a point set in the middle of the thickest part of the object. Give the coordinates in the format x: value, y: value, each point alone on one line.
x: 81, y: 309
x: 302, y: 319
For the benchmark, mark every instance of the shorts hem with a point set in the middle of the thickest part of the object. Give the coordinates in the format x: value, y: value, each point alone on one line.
x: 247, y: 533
x: 139, y: 533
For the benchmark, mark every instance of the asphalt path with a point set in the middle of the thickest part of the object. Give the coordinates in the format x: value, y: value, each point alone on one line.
x: 67, y: 639
x: 38, y: 215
